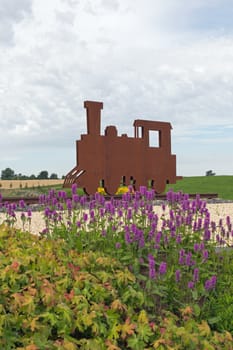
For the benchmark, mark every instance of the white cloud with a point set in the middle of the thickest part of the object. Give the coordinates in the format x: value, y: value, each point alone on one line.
x: 12, y: 12
x: 151, y: 60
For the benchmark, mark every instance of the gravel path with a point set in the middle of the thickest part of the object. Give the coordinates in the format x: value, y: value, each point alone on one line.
x: 217, y: 210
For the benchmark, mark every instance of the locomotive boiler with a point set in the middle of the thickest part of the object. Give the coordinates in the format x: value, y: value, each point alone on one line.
x: 111, y: 160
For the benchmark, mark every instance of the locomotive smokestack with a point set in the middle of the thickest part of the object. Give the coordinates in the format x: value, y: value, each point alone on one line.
x: 93, y: 116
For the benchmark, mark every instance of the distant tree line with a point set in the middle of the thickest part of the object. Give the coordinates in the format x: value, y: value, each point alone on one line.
x: 9, y: 174
x: 209, y: 173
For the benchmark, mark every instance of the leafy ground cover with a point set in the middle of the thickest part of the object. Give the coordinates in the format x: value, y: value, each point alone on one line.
x: 113, y: 275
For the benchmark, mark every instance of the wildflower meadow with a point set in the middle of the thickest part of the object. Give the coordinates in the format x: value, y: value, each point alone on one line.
x: 114, y: 274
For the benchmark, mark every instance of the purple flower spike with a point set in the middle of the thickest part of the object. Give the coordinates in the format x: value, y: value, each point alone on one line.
x: 188, y: 259
x: 150, y: 195
x: 85, y: 217
x: 143, y: 190
x: 22, y: 204
x: 178, y: 275
x: 196, y: 247
x: 163, y: 268
x: 151, y: 260
x: 196, y: 275
x: 129, y: 214
x: 75, y: 198
x: 74, y: 188
x: 158, y: 237
x: 69, y: 204
x: 191, y: 284
x: 210, y: 283
x: 207, y: 235
x: 205, y: 254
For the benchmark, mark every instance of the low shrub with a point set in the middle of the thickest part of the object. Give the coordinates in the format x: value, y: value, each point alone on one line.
x: 56, y: 297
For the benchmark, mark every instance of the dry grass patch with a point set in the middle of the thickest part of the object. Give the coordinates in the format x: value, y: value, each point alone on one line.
x: 8, y: 184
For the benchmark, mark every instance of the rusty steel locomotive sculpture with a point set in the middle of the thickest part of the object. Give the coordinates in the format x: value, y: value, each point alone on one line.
x: 112, y: 160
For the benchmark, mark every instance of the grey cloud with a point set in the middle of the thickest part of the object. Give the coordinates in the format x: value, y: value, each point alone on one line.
x: 11, y: 12
x: 112, y: 5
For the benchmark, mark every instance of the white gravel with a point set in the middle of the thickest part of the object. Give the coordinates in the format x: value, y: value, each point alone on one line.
x: 217, y: 211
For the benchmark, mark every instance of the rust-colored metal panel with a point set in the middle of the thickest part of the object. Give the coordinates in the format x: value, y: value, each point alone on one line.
x: 112, y: 159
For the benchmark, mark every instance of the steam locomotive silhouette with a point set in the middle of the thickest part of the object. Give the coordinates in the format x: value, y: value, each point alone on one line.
x: 111, y: 160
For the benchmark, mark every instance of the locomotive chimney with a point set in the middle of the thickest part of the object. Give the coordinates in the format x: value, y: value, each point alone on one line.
x: 93, y: 116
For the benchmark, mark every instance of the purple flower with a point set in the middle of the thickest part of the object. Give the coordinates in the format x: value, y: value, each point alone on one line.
x: 188, y: 260
x: 178, y: 275
x: 83, y: 200
x: 118, y: 245
x: 54, y: 201
x: 163, y: 268
x: 228, y: 220
x: 151, y: 260
x: 141, y: 242
x: 74, y: 188
x: 158, y: 237
x: 202, y: 245
x: 150, y: 195
x: 119, y: 213
x: 47, y: 212
x: 191, y: 284
x: 22, y: 203
x: 182, y: 252
x: 75, y: 198
x: 101, y: 211
x: 196, y: 247
x: 129, y: 214
x: 196, y: 275
x: 85, y: 217
x: 69, y: 204
x: 150, y: 216
x: 199, y: 223
x: 63, y: 194
x: 205, y: 254
x: 92, y: 214
x: 181, y: 256
x: 171, y: 212
x: 127, y: 235
x: 143, y: 190
x: 207, y: 235
x: 210, y: 283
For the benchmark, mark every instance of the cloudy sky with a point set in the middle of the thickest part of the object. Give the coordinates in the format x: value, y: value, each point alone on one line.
x: 167, y: 60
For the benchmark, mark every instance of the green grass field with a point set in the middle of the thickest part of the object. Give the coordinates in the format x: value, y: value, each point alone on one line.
x: 222, y: 185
